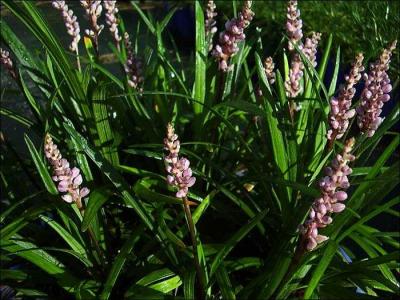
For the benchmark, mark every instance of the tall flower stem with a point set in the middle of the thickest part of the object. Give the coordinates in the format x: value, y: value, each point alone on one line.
x: 192, y: 231
x: 180, y: 176
x: 78, y: 60
x: 93, y: 239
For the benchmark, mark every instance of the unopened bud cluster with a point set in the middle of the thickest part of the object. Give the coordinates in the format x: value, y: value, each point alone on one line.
x: 133, y: 66
x: 180, y: 174
x: 7, y: 62
x: 375, y: 93
x: 233, y: 34
x: 111, y: 19
x: 310, y: 47
x: 70, y: 22
x: 93, y: 11
x: 68, y: 180
x: 340, y: 112
x: 210, y: 23
x: 294, y: 25
x: 332, y: 188
x: 269, y: 67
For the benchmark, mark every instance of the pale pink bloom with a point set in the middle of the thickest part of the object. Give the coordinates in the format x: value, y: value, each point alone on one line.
x: 340, y: 112
x: 233, y: 34
x: 180, y: 174
x: 269, y: 67
x: 331, y: 199
x: 7, y: 62
x: 69, y: 180
x: 111, y: 20
x: 70, y: 22
x: 93, y: 11
x: 375, y: 93
x: 294, y: 25
x: 210, y: 23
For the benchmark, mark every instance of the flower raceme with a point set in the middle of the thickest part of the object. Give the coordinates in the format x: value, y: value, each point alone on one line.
x: 133, y: 66
x: 294, y: 32
x: 269, y: 67
x: 70, y: 22
x: 180, y: 174
x: 93, y: 11
x: 310, y: 47
x: 111, y: 19
x: 340, y: 112
x: 375, y: 93
x: 210, y: 23
x: 294, y: 26
x: 332, y: 188
x: 7, y: 62
x: 233, y: 34
x: 69, y: 180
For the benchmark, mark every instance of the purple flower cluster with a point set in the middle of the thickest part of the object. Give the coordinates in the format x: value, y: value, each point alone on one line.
x: 111, y: 20
x: 310, y: 47
x: 233, y: 34
x: 292, y: 84
x: 69, y: 180
x: 340, y: 112
x: 331, y: 198
x: 70, y: 22
x: 294, y: 25
x: 269, y: 67
x: 375, y: 93
x: 294, y: 31
x: 210, y: 23
x: 133, y: 66
x: 7, y: 62
x: 180, y: 175
x: 93, y: 11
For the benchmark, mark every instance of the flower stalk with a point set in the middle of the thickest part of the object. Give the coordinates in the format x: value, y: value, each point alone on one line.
x: 269, y: 67
x: 68, y: 180
x: 111, y: 11
x: 332, y: 188
x: 210, y: 23
x: 180, y: 176
x: 340, y: 111
x: 132, y: 66
x: 93, y: 11
x: 72, y: 25
x: 375, y: 93
x: 233, y: 34
x: 7, y: 62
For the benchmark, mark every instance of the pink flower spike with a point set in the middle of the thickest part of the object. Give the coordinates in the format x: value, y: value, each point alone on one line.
x: 327, y: 203
x: 69, y: 180
x: 180, y: 175
x: 375, y: 93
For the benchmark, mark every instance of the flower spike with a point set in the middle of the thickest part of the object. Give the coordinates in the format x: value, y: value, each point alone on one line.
x: 332, y: 188
x: 375, y: 93
x: 180, y: 175
x: 233, y: 34
x: 69, y: 180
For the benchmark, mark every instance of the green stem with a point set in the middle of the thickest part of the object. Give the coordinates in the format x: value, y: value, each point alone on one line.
x: 93, y: 237
x: 192, y: 231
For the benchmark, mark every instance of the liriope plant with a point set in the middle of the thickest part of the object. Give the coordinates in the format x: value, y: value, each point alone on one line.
x: 275, y: 189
